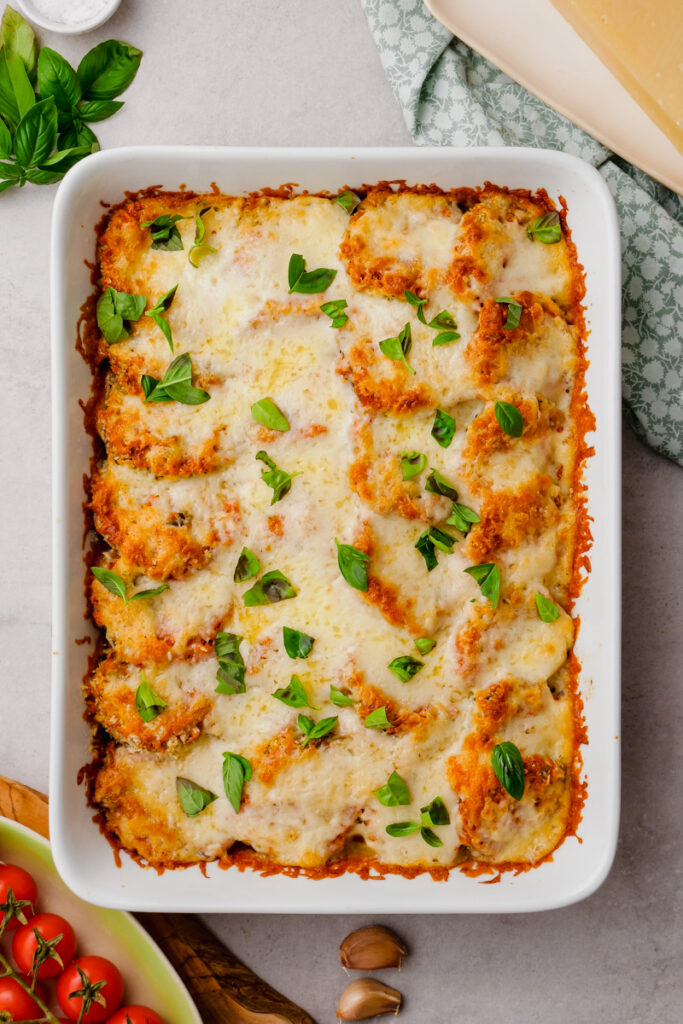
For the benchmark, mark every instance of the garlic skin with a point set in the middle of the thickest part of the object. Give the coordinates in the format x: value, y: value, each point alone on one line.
x: 367, y: 997
x: 371, y: 949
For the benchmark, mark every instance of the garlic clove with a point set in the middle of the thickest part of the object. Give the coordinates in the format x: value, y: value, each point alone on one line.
x: 368, y: 998
x: 372, y: 948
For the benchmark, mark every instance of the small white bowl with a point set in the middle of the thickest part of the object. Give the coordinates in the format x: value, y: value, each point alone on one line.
x: 107, y: 8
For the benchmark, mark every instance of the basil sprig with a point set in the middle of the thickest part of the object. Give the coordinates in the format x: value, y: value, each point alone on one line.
x: 405, y: 667
x: 425, y: 644
x: 313, y: 730
x: 176, y: 384
x: 487, y: 575
x: 294, y: 695
x: 508, y: 765
x: 115, y: 311
x: 308, y: 282
x: 547, y: 609
x: 231, y: 667
x: 438, y: 484
x: 148, y: 704
x: 509, y: 418
x: 377, y: 719
x: 431, y: 539
x: 347, y: 200
x: 247, y: 566
x: 417, y: 303
x: 443, y: 322
x: 297, y: 644
x: 271, y: 588
x: 162, y: 305
x: 115, y: 585
x: 165, y: 234
x: 434, y: 814
x: 268, y: 415
x: 200, y: 248
x: 462, y: 517
x: 443, y: 429
x: 394, y: 793
x: 412, y: 464
x: 193, y: 798
x: 335, y: 311
x: 276, y: 478
x: 342, y: 700
x: 514, y: 313
x: 546, y: 229
x: 352, y: 565
x: 236, y: 771
x: 398, y: 348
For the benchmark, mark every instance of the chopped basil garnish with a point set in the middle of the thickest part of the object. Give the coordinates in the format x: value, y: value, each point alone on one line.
x: 115, y: 311
x: 348, y: 200
x: 444, y: 337
x: 236, y: 771
x: 487, y: 575
x: 546, y: 229
x: 294, y: 695
x: 335, y: 312
x: 435, y: 813
x: 462, y: 517
x: 377, y: 719
x: 352, y: 565
x: 280, y: 481
x: 340, y: 699
x: 418, y: 303
x: 315, y: 730
x: 394, y: 793
x: 438, y: 484
x: 425, y: 644
x: 412, y: 463
x: 514, y: 313
x: 547, y: 609
x: 115, y: 585
x: 247, y: 566
x: 297, y: 644
x: 402, y: 828
x: 399, y: 347
x: 443, y: 321
x: 272, y: 587
x: 165, y: 234
x: 193, y: 798
x: 268, y: 415
x: 443, y: 428
x: 176, y: 384
x: 309, y: 282
x: 430, y: 838
x: 231, y: 666
x: 431, y: 539
x: 509, y: 768
x: 155, y: 313
x: 509, y: 418
x: 148, y: 704
x: 200, y: 249
x: 405, y: 667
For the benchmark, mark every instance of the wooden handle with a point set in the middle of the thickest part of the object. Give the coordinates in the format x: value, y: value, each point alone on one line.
x: 224, y: 989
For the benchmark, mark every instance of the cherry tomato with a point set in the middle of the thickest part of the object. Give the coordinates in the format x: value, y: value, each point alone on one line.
x: 49, y: 927
x: 104, y: 989
x: 16, y: 1002
x: 23, y: 888
x: 136, y: 1015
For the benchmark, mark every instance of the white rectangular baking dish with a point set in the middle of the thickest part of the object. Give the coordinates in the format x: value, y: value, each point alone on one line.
x: 82, y: 855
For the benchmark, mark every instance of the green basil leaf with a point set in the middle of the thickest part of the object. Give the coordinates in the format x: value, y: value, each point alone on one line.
x: 514, y: 313
x: 402, y: 828
x: 394, y: 793
x: 115, y: 310
x: 347, y: 200
x: 377, y: 719
x: 547, y: 609
x: 340, y: 699
x: 438, y: 484
x: 546, y: 229
x: 108, y: 69
x: 429, y: 540
x: 487, y: 575
x: 17, y: 39
x: 462, y: 517
x: 418, y: 303
x: 98, y: 110
x: 36, y: 134
x: 231, y: 667
x: 161, y: 306
x: 508, y: 765
x: 278, y: 479
x: 111, y: 580
x: 247, y: 566
x: 405, y: 667
x: 58, y: 79
x: 425, y: 644
x: 78, y: 135
x: 5, y: 141
x: 4, y: 185
x: 399, y: 347
x: 297, y: 644
x: 44, y: 176
x: 315, y: 730
x: 21, y: 85
x: 443, y: 428
x: 334, y: 311
x: 193, y: 798
x: 297, y: 266
x: 268, y: 415
x: 8, y: 104
x: 165, y: 234
x: 440, y: 539
x: 176, y: 384
x: 435, y: 813
x: 151, y: 389
x: 412, y: 463
x: 294, y: 695
x: 352, y: 565
x: 236, y: 771
x: 444, y: 337
x: 509, y: 418
x: 148, y: 704
x: 200, y: 227
x: 443, y: 321
x: 308, y: 282
x: 154, y: 592
x: 430, y: 838
x: 272, y: 587
x: 10, y: 171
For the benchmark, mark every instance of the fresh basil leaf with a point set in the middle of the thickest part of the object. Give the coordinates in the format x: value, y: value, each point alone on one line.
x: 36, y: 134
x: 272, y: 587
x: 352, y: 565
x: 268, y: 415
x: 487, y: 575
x: 334, y: 311
x: 44, y: 175
x: 308, y: 282
x: 21, y: 85
x: 438, y: 484
x: 17, y: 39
x: 418, y: 303
x: 4, y: 185
x: 236, y: 771
x: 111, y: 580
x: 399, y: 347
x: 115, y: 310
x: 443, y: 428
x: 425, y: 644
x: 193, y: 798
x: 5, y: 141
x: 430, y: 539
x: 462, y: 517
x: 151, y: 389
x: 514, y: 313
x: 340, y: 699
x: 148, y: 704
x: 297, y: 644
x: 247, y: 566
x: 377, y: 719
x: 347, y: 200
x: 161, y: 306
x: 405, y: 667
x: 444, y: 337
x: 165, y: 234
x: 8, y: 104
x: 412, y: 463
x: 154, y: 592
x: 508, y: 765
x: 435, y: 813
x: 78, y: 135
x: 402, y: 828
x: 176, y: 384
x: 231, y: 667
x: 430, y: 838
x: 108, y: 69
x: 278, y: 479
x: 98, y: 110
x: 315, y: 730
x: 58, y: 79
x: 546, y: 229
x: 394, y: 793
x: 294, y: 695
x: 200, y: 227
x: 442, y: 540
x: 509, y: 418
x: 10, y: 171
x: 200, y: 249
x: 443, y: 321
x: 547, y: 609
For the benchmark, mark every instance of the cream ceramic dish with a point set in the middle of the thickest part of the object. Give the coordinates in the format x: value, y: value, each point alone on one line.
x: 82, y: 855
x: 36, y: 14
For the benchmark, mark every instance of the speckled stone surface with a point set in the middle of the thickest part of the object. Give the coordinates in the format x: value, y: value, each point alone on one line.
x: 306, y: 73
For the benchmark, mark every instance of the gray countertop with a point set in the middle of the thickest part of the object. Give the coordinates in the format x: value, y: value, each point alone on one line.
x: 306, y: 72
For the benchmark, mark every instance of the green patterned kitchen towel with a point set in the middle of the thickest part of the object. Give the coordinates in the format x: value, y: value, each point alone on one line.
x: 450, y: 96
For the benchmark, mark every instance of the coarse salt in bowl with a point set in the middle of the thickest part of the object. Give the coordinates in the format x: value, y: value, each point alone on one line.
x: 70, y: 17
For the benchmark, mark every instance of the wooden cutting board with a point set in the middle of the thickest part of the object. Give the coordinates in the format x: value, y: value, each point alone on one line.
x: 224, y: 989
